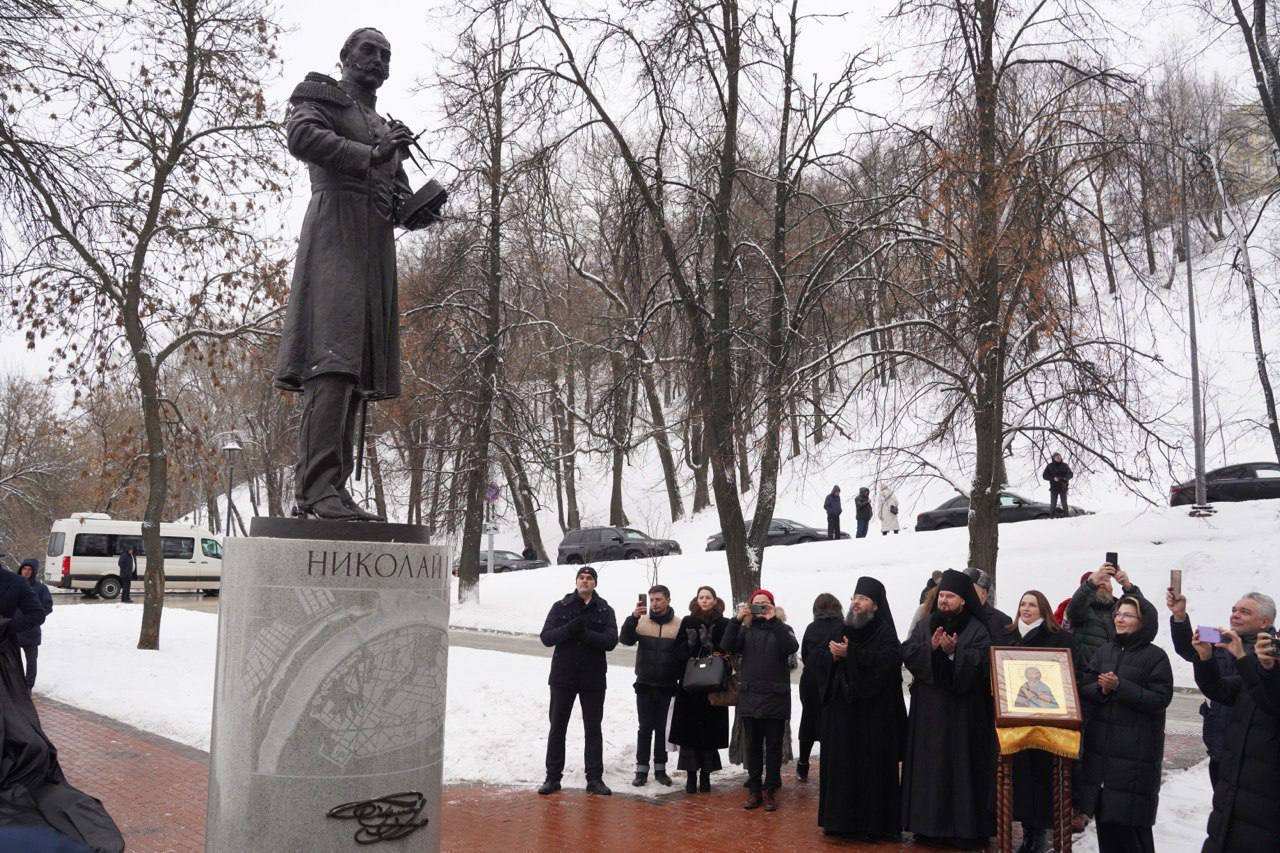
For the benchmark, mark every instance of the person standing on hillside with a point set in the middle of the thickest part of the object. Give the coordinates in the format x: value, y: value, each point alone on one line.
x: 862, y: 511
x: 29, y: 639
x: 832, y: 506
x: 658, y: 669
x: 888, y: 510
x: 127, y: 564
x: 583, y: 629
x: 1058, y: 473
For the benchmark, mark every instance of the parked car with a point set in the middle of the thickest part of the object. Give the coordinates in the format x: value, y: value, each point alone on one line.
x: 503, y: 561
x: 782, y: 531
x: 592, y: 544
x: 955, y: 512
x: 84, y: 551
x: 1250, y: 481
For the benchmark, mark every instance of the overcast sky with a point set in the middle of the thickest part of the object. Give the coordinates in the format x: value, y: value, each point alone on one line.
x: 1143, y: 35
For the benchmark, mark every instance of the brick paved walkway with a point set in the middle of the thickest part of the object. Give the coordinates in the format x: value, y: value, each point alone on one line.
x: 156, y: 791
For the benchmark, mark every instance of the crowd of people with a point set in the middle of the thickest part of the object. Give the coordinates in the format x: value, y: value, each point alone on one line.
x: 930, y: 768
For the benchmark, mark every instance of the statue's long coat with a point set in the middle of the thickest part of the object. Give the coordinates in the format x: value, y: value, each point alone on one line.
x: 343, y: 315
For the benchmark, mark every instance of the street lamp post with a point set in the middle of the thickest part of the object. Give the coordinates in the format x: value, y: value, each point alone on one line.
x: 1201, y: 506
x: 230, y: 450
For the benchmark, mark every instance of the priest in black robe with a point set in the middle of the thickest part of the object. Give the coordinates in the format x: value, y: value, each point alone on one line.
x: 864, y: 720
x: 948, y: 774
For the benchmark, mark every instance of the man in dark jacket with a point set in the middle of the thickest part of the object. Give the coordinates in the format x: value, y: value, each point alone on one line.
x: 1127, y: 687
x: 1090, y: 613
x: 658, y: 670
x: 997, y: 621
x: 583, y: 629
x: 864, y: 721
x: 764, y: 691
x: 1058, y: 473
x: 950, y: 735
x: 340, y: 345
x: 1246, y: 815
x: 127, y: 564
x: 29, y: 640
x: 832, y: 507
x: 1248, y: 617
x: 862, y: 511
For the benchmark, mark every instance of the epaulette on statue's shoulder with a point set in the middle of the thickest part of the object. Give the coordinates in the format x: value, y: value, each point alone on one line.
x: 320, y: 87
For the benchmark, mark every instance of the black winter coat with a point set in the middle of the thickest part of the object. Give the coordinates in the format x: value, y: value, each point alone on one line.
x: 948, y: 768
x: 656, y: 639
x: 127, y: 564
x: 582, y: 635
x: 1092, y: 625
x: 997, y: 621
x: 862, y: 507
x: 1033, y: 768
x: 816, y: 656
x: 20, y: 609
x: 1216, y: 715
x: 33, y: 635
x: 764, y: 680
x: 1058, y: 474
x: 832, y: 504
x: 1246, y: 813
x: 695, y: 722
x: 1124, y: 730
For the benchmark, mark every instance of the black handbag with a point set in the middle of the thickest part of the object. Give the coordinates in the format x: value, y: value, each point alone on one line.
x: 705, y: 675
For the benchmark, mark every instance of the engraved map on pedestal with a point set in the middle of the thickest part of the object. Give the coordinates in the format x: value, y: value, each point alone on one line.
x: 339, y: 689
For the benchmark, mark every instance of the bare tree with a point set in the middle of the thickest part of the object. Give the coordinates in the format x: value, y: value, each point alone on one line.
x: 144, y: 138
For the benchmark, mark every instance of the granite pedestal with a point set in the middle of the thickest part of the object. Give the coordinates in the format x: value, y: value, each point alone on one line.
x: 330, y: 684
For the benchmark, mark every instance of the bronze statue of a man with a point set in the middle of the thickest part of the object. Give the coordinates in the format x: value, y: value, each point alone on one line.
x: 341, y: 339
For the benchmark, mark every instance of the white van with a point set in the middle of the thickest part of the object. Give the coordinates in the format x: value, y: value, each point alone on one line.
x: 84, y: 552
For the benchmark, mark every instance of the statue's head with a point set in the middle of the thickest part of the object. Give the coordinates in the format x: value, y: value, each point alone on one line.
x: 366, y: 58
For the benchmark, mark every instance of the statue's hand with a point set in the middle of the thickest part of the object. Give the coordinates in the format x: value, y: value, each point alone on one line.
x: 398, y: 136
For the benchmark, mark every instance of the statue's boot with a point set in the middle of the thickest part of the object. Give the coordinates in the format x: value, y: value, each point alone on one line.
x: 329, y: 508
x: 361, y: 513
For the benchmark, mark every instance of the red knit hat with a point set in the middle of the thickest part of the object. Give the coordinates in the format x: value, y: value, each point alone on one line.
x: 765, y: 593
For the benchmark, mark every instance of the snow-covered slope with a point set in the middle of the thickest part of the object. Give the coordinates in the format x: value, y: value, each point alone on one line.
x: 1221, y: 557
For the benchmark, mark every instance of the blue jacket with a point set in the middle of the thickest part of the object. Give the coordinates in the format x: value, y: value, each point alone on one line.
x: 832, y: 504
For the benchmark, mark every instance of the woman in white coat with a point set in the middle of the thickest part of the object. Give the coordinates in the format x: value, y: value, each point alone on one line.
x: 888, y: 510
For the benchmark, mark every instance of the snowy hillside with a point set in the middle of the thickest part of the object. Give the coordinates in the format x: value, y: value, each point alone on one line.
x: 1221, y: 558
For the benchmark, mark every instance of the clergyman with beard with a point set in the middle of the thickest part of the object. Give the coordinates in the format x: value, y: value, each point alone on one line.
x: 864, y: 720
x: 341, y: 339
x: 948, y: 773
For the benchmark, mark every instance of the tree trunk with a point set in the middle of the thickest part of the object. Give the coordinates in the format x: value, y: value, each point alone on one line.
x: 618, y: 437
x: 988, y: 416
x: 662, y: 441
x: 1259, y: 352
x: 213, y: 511
x: 568, y: 448
x: 522, y: 499
x: 157, y: 483
x: 815, y: 398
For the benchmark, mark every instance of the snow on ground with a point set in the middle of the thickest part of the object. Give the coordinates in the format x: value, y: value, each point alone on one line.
x: 497, y: 702
x: 1183, y: 818
x: 1222, y: 557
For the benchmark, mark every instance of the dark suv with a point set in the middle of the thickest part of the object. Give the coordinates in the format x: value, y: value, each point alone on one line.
x: 593, y: 544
